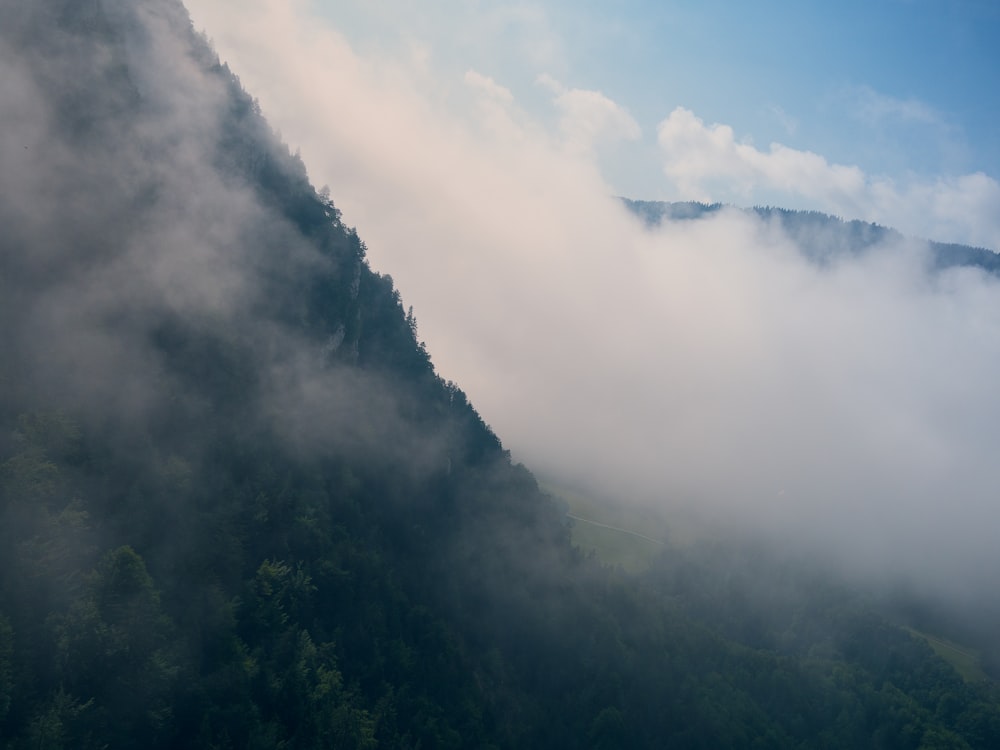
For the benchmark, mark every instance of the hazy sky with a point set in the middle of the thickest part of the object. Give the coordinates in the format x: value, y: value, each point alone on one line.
x: 476, y: 147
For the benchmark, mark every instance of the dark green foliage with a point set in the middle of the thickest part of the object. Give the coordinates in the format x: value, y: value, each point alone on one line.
x: 6, y: 667
x: 197, y: 550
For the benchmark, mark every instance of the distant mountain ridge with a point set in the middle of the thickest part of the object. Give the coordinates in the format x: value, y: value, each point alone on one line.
x: 821, y: 237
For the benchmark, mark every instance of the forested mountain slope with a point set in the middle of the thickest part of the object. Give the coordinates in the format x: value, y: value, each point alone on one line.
x: 239, y: 508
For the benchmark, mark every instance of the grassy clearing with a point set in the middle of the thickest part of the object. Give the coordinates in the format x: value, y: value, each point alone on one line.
x: 615, y: 546
x: 629, y: 537
x: 963, y: 660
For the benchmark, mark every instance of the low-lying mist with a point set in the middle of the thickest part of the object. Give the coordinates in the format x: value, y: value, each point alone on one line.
x: 142, y: 274
x: 848, y: 408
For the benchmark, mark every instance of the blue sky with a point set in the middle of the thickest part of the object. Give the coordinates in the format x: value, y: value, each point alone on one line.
x: 904, y: 90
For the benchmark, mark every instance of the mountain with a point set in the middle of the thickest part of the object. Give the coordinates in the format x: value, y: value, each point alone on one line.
x: 820, y: 237
x: 239, y: 507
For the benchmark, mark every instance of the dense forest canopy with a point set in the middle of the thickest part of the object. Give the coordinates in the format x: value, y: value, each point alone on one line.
x: 239, y: 507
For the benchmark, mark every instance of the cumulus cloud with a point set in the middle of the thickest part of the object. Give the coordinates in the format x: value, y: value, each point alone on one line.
x: 489, y: 87
x: 701, y: 364
x: 587, y: 117
x: 700, y: 157
x: 707, y: 162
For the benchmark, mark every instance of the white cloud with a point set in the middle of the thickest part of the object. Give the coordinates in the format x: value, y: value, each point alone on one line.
x: 489, y: 87
x: 706, y: 162
x: 548, y: 82
x: 588, y: 117
x: 702, y: 364
x: 495, y: 109
x: 700, y: 156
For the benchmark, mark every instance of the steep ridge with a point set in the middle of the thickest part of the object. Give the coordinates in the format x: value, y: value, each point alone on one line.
x: 239, y: 508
